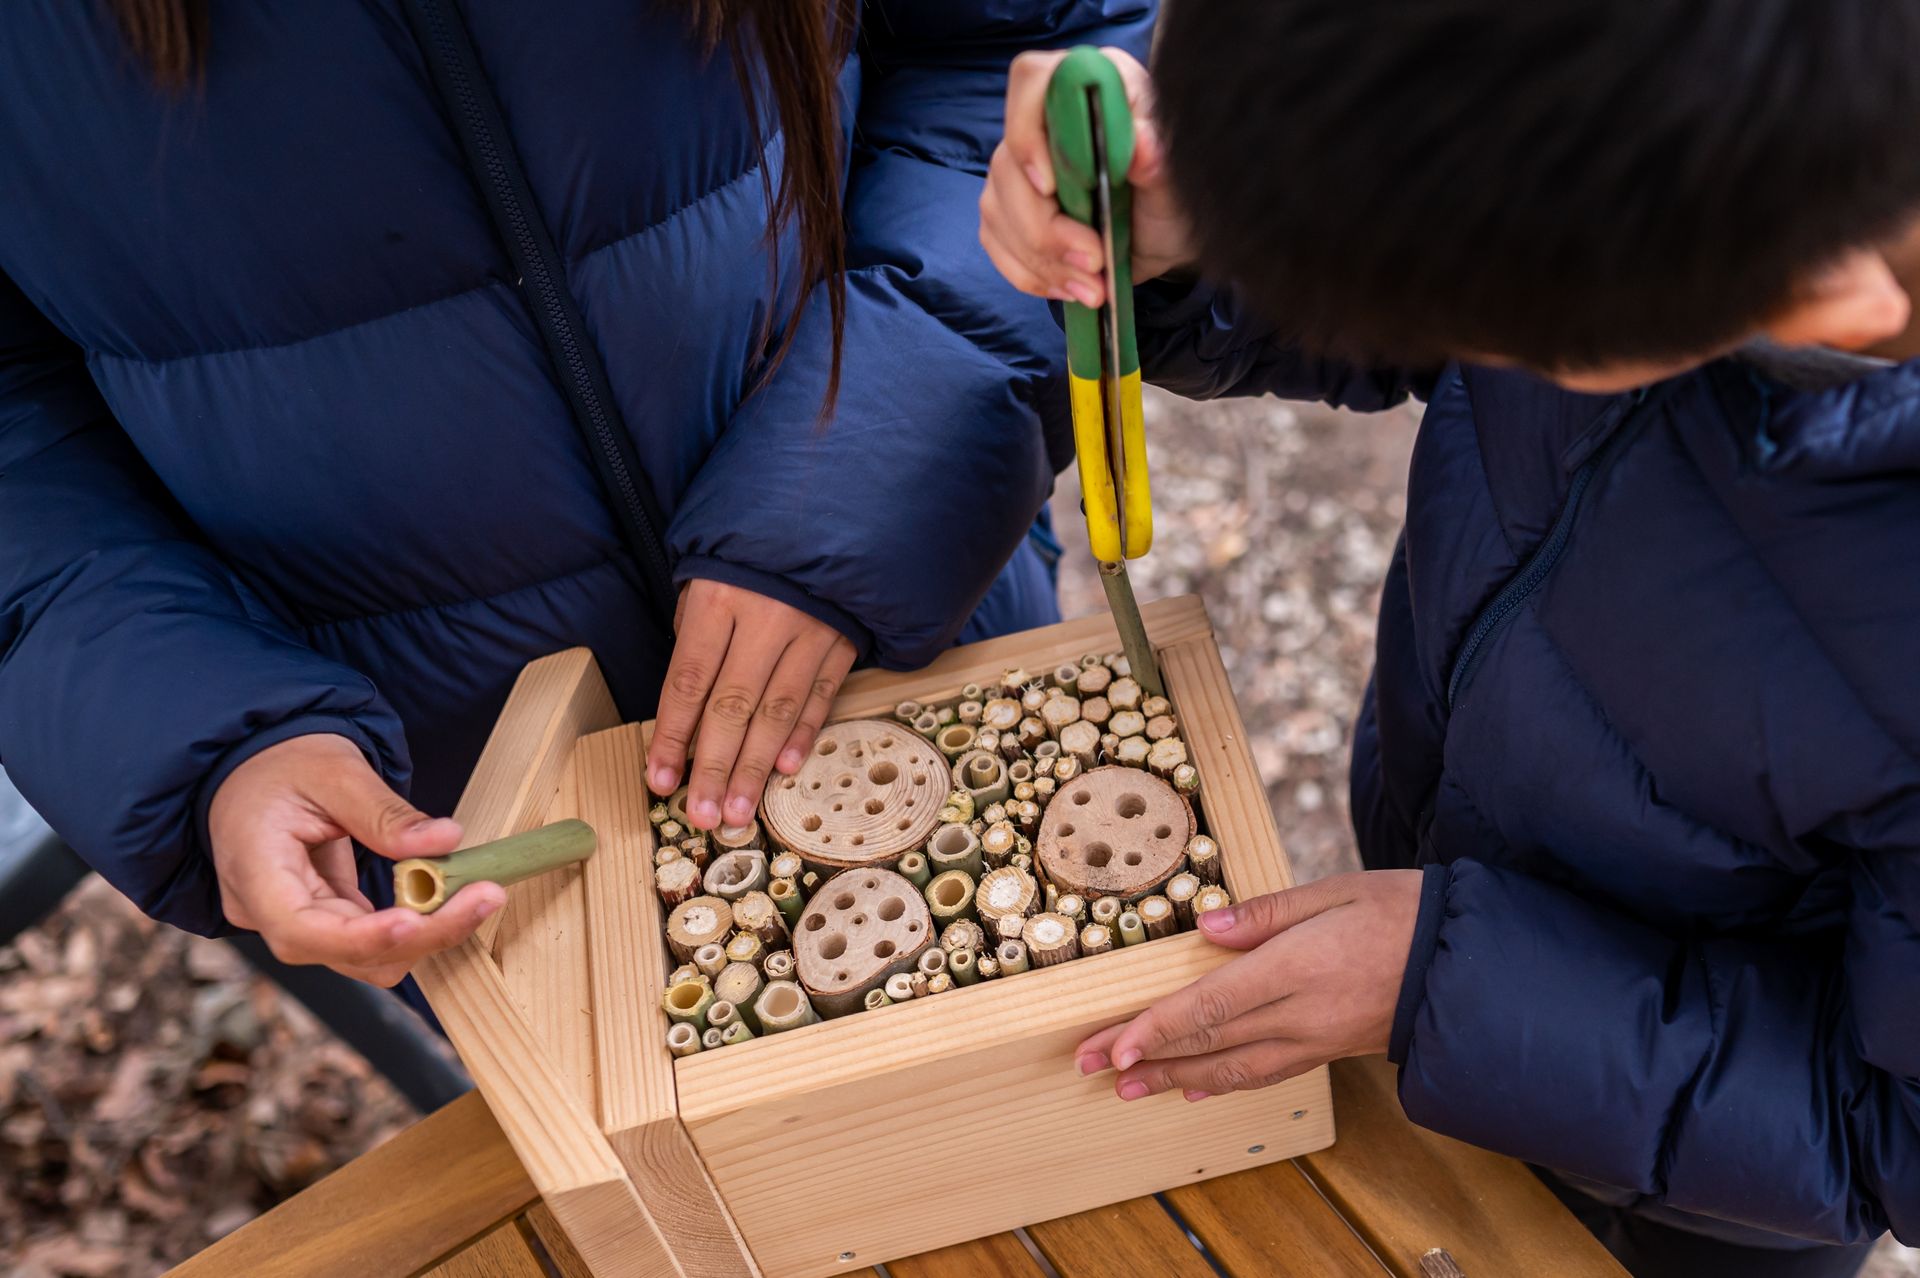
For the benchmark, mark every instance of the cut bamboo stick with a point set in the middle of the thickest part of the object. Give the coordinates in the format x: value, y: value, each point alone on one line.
x: 899, y: 987
x: 1132, y: 930
x: 756, y: 912
x: 709, y: 959
x: 1050, y: 939
x: 1006, y: 891
x: 950, y: 897
x: 1095, y: 939
x: 778, y: 965
x: 733, y: 874
x: 961, y: 966
x: 425, y: 883
x: 783, y: 1006
x: 689, y: 1001
x: 954, y: 847
x: 701, y: 921
x: 1203, y: 858
x: 677, y: 881
x: 1211, y: 897
x: 682, y: 1039
x: 1156, y: 915
x: 739, y: 984
x: 1181, y: 889
x: 786, y: 897
x: 1012, y: 956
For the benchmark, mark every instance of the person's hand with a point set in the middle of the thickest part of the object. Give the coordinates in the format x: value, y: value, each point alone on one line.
x: 1320, y: 983
x: 753, y: 678
x: 1037, y: 247
x: 281, y: 825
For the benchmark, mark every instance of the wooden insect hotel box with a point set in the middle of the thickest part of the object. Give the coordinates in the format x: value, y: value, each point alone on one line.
x: 858, y: 1138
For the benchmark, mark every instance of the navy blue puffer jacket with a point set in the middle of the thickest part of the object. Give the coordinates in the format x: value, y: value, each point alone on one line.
x: 1645, y: 705
x: 282, y: 447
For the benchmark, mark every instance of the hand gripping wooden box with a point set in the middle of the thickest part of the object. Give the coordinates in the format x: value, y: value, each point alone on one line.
x: 859, y: 1139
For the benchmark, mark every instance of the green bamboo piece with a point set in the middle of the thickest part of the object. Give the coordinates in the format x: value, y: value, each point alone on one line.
x: 722, y: 1014
x: 682, y: 1039
x: 425, y: 883
x: 950, y: 897
x: 899, y: 987
x: 745, y: 947
x: 1012, y: 956
x: 876, y: 999
x: 688, y: 1002
x: 1132, y: 930
x: 778, y: 965
x: 735, y: 1033
x: 783, y: 1006
x: 738, y: 984
x: 961, y: 966
x: 710, y: 959
x: 786, y: 896
x: 954, y: 847
x: 914, y: 869
x: 711, y: 1039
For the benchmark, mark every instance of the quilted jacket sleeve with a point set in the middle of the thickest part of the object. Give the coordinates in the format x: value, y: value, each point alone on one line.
x: 1760, y: 1082
x: 1201, y: 341
x: 135, y: 670
x: 892, y: 520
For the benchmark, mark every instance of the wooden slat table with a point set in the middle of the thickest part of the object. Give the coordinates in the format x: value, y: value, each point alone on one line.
x: 446, y: 1198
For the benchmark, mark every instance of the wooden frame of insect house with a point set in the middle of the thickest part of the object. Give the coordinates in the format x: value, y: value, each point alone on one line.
x: 850, y: 1141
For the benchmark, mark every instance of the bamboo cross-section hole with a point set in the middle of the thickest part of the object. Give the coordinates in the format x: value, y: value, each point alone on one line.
x: 415, y: 883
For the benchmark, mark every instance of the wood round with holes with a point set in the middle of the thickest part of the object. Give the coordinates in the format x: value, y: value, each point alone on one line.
x: 869, y: 792
x: 861, y: 927
x: 1114, y: 832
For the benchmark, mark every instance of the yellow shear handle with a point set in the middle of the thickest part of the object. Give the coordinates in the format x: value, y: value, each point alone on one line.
x: 1096, y: 476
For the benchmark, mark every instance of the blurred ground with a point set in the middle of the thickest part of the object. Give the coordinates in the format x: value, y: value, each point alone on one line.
x: 154, y: 1094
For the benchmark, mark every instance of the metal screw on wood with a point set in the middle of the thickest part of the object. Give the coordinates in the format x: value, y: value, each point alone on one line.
x: 845, y: 1256
x: 1299, y: 1113
x: 1254, y: 1149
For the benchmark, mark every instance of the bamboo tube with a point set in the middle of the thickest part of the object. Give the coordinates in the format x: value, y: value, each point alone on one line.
x: 809, y: 882
x: 919, y: 983
x: 1071, y: 906
x: 1012, y: 956
x: 949, y: 897
x: 1186, y: 779
x: 709, y: 959
x: 970, y: 713
x: 664, y: 855
x: 1154, y: 707
x: 1002, y: 714
x: 913, y: 868
x: 931, y: 961
x: 722, y: 1014
x: 672, y: 831
x: 1051, y: 939
x: 1156, y: 915
x: 1058, y: 712
x: 686, y: 972
x: 657, y: 814
x: 676, y: 881
x: 1081, y: 742
x: 1067, y: 676
x: 697, y: 850
x: 425, y: 883
x: 682, y: 1039
x: 1106, y: 911
x: 745, y: 947
x: 778, y: 965
x: 939, y: 982
x: 875, y: 1000
x: 899, y: 987
x: 958, y: 809
x: 733, y: 874
x: 1127, y: 723
x: 1020, y: 772
x: 677, y: 806
x: 1067, y: 769
x: 954, y: 847
x: 983, y: 775
x: 1032, y: 697
x: 735, y: 1033
x: 694, y: 923
x: 1165, y: 756
x: 756, y: 912
x: 1211, y: 897
x: 783, y: 1006
x: 926, y: 723
x: 1010, y: 748
x: 1160, y: 727
x: 711, y: 1039
x: 1094, y: 680
x: 954, y: 741
x: 1203, y: 858
x: 1132, y: 930
x: 999, y: 842
x: 787, y: 865
x: 963, y: 934
x: 1095, y: 939
x: 1006, y: 891
x: 1032, y: 732
x: 1180, y: 890
x: 961, y: 965
x: 689, y: 1002
x: 908, y: 711
x: 739, y: 984
x: 988, y: 967
x: 1132, y: 752
x: 786, y: 897
x: 1124, y: 693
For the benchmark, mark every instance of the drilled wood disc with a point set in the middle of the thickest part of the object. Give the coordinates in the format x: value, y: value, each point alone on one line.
x: 861, y: 927
x: 1114, y: 832
x: 869, y: 792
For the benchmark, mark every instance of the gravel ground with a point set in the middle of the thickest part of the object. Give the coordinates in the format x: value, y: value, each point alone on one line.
x: 154, y: 1094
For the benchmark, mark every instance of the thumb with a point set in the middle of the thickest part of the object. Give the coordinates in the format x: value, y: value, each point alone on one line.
x: 356, y: 799
x: 1246, y: 924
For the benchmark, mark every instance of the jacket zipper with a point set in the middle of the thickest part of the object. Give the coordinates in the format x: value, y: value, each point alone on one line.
x: 448, y: 46
x: 1540, y: 564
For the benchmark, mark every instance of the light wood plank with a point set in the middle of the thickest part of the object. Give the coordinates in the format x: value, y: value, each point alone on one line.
x: 394, y: 1210
x: 500, y: 1253
x: 1270, y: 1221
x: 637, y: 1104
x: 550, y: 1126
x: 542, y: 954
x: 1132, y: 1237
x: 995, y: 1256
x: 1408, y: 1190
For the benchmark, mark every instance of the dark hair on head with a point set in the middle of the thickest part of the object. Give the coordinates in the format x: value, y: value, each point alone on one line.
x: 1561, y: 182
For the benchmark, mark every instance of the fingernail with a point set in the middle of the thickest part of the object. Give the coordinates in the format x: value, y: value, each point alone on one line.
x: 789, y: 761
x: 485, y: 908
x: 1217, y: 921
x: 1082, y: 261
x: 662, y: 780
x: 1132, y: 1091
x: 1196, y: 1096
x: 1083, y: 293
x: 1127, y: 1059
x: 705, y: 813
x: 1042, y: 180
x: 1091, y: 1063
x: 739, y: 809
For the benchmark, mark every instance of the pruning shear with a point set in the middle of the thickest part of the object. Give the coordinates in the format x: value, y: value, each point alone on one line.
x: 1090, y: 136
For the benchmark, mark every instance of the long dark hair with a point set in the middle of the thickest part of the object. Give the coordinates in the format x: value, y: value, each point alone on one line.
x: 800, y: 44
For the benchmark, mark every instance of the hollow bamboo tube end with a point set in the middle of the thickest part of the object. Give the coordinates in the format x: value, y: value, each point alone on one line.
x: 427, y: 883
